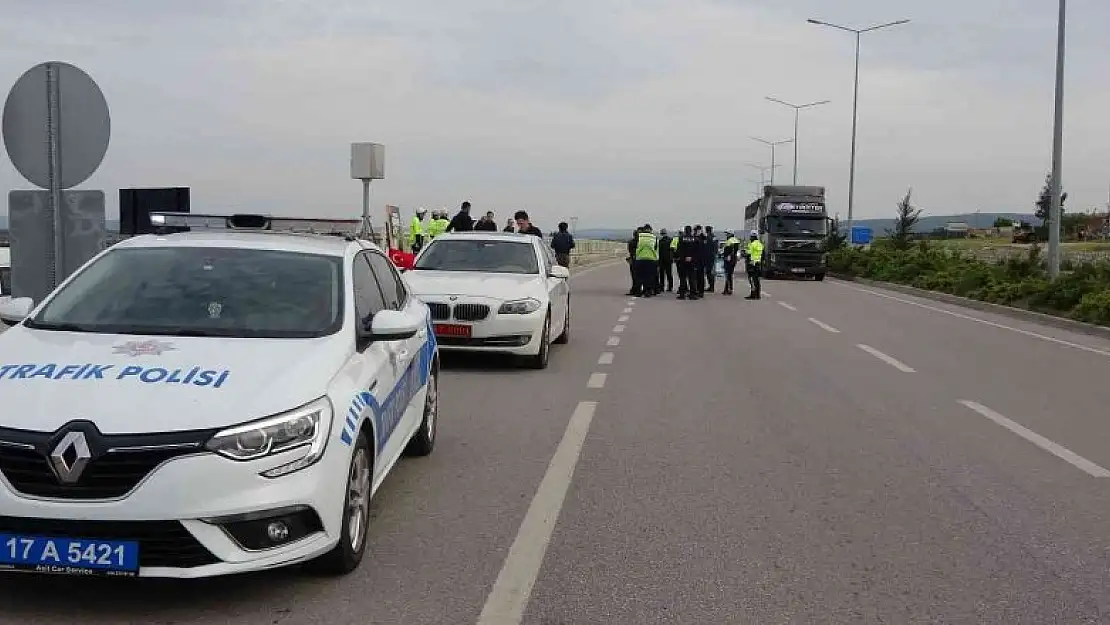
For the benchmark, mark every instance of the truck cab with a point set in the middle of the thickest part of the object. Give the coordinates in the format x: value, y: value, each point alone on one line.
x: 793, y: 224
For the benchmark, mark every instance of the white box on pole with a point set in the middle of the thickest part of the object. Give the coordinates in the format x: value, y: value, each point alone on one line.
x: 367, y: 161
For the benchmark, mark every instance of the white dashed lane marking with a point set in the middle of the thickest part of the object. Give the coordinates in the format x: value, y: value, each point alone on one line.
x: 613, y: 341
x: 506, y: 602
x: 787, y: 306
x: 618, y: 328
x: 823, y: 326
x: 890, y: 360
x: 597, y: 380
x: 622, y: 318
x: 605, y: 359
x: 1059, y: 451
x: 627, y: 310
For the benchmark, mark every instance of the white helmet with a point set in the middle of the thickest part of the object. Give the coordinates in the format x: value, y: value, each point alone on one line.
x: 421, y: 211
x: 755, y: 233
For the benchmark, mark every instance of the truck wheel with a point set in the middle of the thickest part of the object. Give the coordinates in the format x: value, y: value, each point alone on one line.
x: 819, y: 277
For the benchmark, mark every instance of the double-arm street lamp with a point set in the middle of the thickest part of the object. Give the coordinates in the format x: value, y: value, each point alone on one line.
x: 855, y: 103
x: 773, y: 145
x: 797, y: 109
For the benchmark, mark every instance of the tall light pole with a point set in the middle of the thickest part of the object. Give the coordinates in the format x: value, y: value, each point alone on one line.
x: 773, y: 145
x: 1057, y: 151
x: 797, y: 109
x: 855, y: 105
x: 763, y: 169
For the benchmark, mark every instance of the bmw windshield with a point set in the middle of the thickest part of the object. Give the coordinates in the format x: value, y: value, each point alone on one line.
x: 484, y: 256
x: 198, y: 291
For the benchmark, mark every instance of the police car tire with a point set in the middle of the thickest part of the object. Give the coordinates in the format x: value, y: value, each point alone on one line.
x: 539, y: 361
x: 424, y: 441
x: 564, y: 338
x: 344, y: 559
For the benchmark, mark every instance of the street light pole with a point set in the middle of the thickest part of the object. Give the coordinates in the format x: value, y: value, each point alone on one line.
x: 1057, y: 151
x: 855, y: 105
x: 797, y: 110
x: 773, y: 145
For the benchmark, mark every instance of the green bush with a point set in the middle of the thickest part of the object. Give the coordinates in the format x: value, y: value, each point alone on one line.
x: 1081, y: 292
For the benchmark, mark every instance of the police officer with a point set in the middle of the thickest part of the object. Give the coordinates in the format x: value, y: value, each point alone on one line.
x: 710, y: 260
x: 685, y: 253
x: 666, y: 261
x: 647, y: 261
x: 697, y: 264
x: 416, y: 229
x: 731, y: 256
x: 635, y: 288
x: 754, y: 264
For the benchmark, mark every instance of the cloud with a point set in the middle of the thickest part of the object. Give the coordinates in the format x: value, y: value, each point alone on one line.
x: 617, y: 111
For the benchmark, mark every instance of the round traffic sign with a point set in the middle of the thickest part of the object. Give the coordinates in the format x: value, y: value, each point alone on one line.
x: 83, y: 125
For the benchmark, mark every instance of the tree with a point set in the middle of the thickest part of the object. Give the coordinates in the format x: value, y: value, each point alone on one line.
x: 1044, y: 202
x: 907, y: 218
x: 835, y: 239
x: 1002, y: 222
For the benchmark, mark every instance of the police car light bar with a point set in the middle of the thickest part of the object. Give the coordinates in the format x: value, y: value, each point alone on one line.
x: 256, y: 223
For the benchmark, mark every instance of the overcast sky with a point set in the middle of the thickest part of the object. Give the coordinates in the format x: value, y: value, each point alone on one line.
x: 615, y: 111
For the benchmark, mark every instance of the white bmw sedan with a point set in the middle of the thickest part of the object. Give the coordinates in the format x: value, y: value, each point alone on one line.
x: 494, y: 292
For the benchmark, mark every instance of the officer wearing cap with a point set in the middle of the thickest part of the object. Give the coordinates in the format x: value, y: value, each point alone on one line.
x: 730, y: 256
x: 754, y: 256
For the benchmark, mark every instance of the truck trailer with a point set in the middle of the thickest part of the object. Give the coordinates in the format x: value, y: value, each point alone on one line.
x: 793, y: 225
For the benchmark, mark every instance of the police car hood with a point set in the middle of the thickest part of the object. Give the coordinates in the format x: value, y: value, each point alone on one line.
x: 497, y: 285
x: 137, y: 384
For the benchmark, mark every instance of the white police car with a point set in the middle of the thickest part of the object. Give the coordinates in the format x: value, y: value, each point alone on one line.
x: 210, y: 402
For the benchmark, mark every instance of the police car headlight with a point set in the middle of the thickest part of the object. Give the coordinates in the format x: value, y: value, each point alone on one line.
x: 306, y: 427
x: 519, y: 307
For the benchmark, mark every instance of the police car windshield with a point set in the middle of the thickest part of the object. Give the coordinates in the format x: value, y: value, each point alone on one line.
x: 485, y: 256
x: 197, y: 291
x: 792, y: 225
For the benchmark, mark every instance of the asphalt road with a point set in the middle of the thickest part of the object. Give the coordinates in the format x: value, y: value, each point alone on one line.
x: 830, y: 454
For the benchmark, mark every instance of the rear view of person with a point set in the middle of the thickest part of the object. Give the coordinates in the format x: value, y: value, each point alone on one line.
x: 646, y: 262
x: 562, y: 243
x: 666, y: 261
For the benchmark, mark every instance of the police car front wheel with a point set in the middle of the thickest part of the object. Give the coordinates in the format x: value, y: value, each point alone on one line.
x: 347, y: 554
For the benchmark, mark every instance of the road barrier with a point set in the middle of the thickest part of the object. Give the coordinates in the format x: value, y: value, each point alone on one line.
x: 592, y: 251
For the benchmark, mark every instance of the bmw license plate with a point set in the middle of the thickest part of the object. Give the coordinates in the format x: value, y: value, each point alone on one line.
x: 69, y: 556
x: 456, y: 330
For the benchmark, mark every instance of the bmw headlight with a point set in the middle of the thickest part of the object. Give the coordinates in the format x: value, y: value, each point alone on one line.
x: 519, y: 307
x: 305, y: 428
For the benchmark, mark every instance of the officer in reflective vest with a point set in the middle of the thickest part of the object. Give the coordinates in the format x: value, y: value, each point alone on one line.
x: 647, y: 262
x: 438, y: 224
x: 731, y: 256
x: 754, y: 263
x: 416, y: 229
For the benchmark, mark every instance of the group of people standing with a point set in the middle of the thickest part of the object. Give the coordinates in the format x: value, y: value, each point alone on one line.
x: 693, y: 253
x: 421, y: 232
x: 562, y: 242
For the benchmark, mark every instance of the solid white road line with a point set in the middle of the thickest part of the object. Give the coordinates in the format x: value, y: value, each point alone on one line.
x: 627, y: 310
x: 509, y: 597
x: 613, y: 341
x: 823, y: 326
x: 1050, y: 339
x: 622, y: 318
x: 897, y: 364
x: 787, y: 306
x: 1059, y: 451
x: 618, y: 328
x: 606, y: 358
x: 597, y: 380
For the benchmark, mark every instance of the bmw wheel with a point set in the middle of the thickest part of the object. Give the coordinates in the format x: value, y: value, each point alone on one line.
x: 347, y: 554
x: 564, y: 338
x: 424, y: 440
x: 539, y: 360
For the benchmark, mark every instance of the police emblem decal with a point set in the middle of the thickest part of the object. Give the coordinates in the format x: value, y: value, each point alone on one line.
x: 144, y: 348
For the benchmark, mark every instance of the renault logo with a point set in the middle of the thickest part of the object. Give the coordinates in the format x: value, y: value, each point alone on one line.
x: 70, y: 457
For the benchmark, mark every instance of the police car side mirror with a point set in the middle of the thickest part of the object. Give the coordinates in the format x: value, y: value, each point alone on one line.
x: 394, y: 325
x: 15, y: 309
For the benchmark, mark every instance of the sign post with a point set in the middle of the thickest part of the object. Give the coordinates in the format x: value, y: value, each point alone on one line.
x: 56, y: 128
